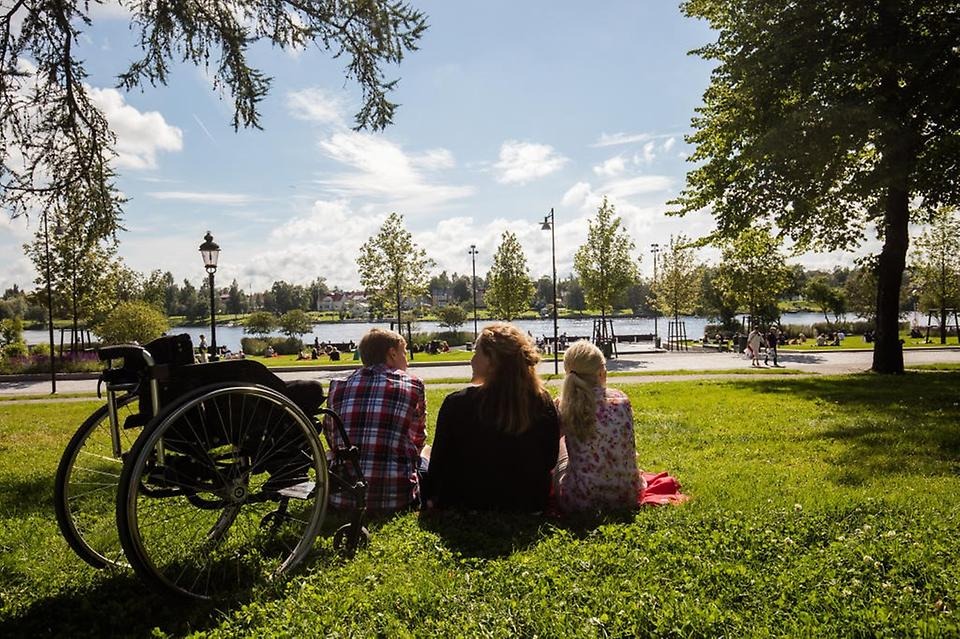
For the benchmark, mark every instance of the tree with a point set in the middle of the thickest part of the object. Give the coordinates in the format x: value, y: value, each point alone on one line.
x: 677, y: 289
x: 317, y: 290
x: 716, y: 301
x: 509, y: 287
x: 603, y: 263
x: 860, y: 289
x: 452, y: 316
x: 752, y: 272
x: 260, y: 323
x: 135, y: 321
x: 936, y: 266
x: 392, y: 267
x: 295, y: 323
x: 236, y: 299
x: 829, y: 299
x: 574, y: 299
x: 830, y: 118
x: 57, y: 144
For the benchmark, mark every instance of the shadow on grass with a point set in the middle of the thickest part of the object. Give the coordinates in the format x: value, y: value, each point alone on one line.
x: 890, y: 426
x: 493, y: 535
x: 119, y: 606
x: 24, y: 496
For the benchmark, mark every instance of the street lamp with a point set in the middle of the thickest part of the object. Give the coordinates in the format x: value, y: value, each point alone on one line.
x: 46, y: 244
x: 473, y: 258
x: 549, y: 224
x: 655, y: 248
x: 210, y: 251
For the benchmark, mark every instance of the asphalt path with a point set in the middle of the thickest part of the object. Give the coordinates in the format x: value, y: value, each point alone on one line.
x: 662, y: 363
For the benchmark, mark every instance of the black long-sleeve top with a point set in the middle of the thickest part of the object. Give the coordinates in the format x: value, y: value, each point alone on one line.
x: 475, y: 465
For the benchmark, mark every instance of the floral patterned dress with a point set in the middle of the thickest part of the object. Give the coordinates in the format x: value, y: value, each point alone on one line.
x: 601, y: 472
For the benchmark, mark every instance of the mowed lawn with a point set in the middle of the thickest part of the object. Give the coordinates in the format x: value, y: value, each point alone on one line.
x: 821, y: 506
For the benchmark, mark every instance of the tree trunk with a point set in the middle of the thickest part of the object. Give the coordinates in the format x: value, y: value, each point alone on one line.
x: 888, y: 350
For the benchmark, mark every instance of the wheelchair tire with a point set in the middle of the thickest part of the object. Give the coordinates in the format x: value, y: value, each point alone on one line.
x: 203, y: 476
x: 347, y: 547
x: 86, y: 483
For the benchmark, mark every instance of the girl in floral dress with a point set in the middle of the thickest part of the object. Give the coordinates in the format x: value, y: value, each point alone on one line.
x: 597, y: 469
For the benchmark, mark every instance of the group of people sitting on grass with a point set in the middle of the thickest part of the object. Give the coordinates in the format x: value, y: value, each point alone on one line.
x: 502, y: 443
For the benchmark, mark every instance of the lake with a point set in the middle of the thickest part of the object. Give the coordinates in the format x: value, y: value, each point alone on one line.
x: 346, y: 331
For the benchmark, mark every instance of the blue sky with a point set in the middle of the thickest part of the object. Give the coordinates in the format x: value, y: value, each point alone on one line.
x: 508, y: 109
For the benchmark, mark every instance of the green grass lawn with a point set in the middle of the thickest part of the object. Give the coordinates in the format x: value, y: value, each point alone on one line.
x: 821, y: 507
x: 855, y: 342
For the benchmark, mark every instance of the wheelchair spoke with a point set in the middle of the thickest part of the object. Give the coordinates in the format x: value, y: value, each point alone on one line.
x: 241, y: 446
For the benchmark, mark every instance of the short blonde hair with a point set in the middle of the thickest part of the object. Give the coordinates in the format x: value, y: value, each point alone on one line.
x: 582, y: 363
x: 376, y: 343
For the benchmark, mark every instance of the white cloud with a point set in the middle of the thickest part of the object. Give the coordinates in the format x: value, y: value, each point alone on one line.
x: 140, y: 135
x: 577, y: 195
x: 668, y: 145
x: 316, y: 105
x: 648, y: 154
x: 235, y: 199
x: 434, y: 159
x: 612, y: 167
x: 382, y: 170
x: 521, y: 162
x: 616, y: 139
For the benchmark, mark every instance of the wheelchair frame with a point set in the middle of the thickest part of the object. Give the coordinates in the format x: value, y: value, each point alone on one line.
x: 219, y: 443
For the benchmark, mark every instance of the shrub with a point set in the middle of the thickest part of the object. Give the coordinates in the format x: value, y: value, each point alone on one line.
x: 260, y: 323
x: 281, y: 345
x: 15, y: 349
x: 132, y: 322
x: 295, y: 323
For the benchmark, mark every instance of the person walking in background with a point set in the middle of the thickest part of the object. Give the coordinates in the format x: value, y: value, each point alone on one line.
x: 597, y: 469
x: 773, y: 341
x: 754, y: 342
x: 497, y: 441
x: 202, y: 355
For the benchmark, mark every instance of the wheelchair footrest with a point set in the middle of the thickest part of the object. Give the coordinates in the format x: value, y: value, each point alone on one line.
x: 303, y: 490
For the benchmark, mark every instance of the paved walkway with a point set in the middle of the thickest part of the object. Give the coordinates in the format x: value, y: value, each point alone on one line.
x: 821, y: 362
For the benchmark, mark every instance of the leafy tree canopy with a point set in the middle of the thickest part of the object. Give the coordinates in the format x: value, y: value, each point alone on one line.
x: 828, y: 118
x: 392, y: 266
x: 677, y: 289
x: 135, y: 321
x: 295, y: 323
x: 603, y: 263
x: 260, y: 323
x: 509, y: 287
x: 57, y: 145
x: 752, y: 272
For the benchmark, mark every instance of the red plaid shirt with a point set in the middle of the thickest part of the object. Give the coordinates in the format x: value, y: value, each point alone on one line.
x: 384, y: 412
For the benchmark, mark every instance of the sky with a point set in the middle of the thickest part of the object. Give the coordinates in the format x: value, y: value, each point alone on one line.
x: 507, y: 110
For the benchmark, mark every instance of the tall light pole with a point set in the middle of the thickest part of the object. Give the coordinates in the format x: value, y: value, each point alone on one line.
x: 655, y: 248
x: 210, y: 252
x: 46, y: 245
x: 473, y: 259
x: 549, y: 224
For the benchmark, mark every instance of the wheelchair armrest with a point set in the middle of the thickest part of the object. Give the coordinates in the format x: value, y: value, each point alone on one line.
x: 129, y: 353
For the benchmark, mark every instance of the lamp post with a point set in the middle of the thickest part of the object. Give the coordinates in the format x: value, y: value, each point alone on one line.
x: 210, y: 252
x: 655, y: 248
x: 46, y: 245
x: 473, y: 259
x: 549, y: 224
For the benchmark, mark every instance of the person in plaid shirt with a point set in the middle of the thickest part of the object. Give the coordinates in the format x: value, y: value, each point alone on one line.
x: 384, y: 411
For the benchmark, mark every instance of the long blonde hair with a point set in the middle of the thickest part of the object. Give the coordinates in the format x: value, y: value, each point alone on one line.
x: 512, y: 384
x: 582, y: 362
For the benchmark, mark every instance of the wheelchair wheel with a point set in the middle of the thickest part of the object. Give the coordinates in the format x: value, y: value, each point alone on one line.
x: 227, y: 487
x: 85, y: 487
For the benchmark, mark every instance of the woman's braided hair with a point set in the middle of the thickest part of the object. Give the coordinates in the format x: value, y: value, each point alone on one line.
x: 582, y: 362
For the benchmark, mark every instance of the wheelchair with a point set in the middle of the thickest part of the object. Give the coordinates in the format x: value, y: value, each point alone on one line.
x: 204, y: 478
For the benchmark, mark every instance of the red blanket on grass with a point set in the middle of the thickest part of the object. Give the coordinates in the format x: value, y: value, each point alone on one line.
x: 661, y: 489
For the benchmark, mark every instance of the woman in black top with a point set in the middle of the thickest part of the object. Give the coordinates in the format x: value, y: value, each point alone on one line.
x: 496, y: 443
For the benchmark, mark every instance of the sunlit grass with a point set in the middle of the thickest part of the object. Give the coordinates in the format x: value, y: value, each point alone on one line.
x: 821, y: 506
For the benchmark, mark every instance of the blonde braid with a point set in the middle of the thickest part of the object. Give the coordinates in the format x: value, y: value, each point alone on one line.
x: 578, y: 402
